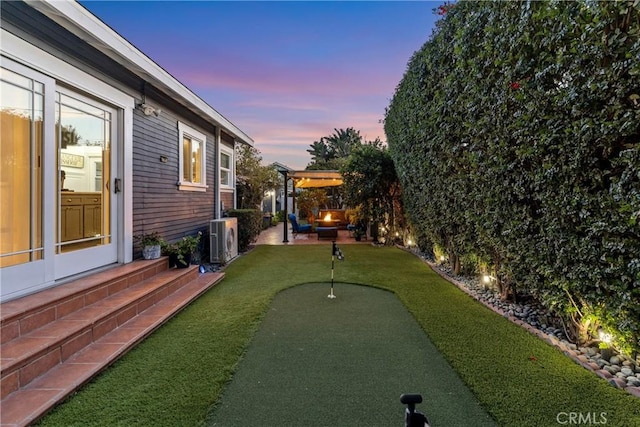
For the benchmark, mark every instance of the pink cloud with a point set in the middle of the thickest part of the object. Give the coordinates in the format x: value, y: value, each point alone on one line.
x: 298, y: 105
x: 284, y: 79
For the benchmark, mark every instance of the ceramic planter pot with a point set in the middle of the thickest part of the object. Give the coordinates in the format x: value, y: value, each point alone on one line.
x: 151, y: 252
x: 186, y: 263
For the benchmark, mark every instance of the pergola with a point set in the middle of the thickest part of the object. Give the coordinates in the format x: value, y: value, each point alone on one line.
x: 315, y: 179
x: 307, y: 179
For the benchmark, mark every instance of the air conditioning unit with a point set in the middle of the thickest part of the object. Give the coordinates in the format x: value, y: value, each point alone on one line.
x: 223, y: 240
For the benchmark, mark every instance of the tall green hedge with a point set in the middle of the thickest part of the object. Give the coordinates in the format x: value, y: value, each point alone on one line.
x: 515, y: 132
x: 249, y: 226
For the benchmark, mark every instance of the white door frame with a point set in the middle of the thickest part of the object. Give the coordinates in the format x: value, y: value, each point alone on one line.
x: 81, y: 260
x: 34, y: 274
x: 15, y: 281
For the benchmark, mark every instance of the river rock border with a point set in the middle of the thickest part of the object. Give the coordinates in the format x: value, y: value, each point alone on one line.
x: 618, y: 371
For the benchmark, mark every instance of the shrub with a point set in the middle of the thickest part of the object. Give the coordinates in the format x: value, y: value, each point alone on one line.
x: 521, y: 146
x: 249, y: 226
x: 279, y: 216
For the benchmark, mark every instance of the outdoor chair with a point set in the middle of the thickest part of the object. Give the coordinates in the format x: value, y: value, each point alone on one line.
x: 298, y: 228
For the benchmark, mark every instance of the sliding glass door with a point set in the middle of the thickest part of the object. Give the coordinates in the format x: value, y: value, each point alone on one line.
x: 58, y: 160
x: 85, y: 211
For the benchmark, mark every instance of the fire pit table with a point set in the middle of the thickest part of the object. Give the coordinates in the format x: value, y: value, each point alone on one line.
x: 327, y: 228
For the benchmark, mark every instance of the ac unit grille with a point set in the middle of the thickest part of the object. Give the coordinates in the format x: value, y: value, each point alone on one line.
x: 223, y: 239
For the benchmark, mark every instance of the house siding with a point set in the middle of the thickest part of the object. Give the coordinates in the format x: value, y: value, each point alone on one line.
x: 227, y: 200
x: 158, y: 204
x: 151, y: 199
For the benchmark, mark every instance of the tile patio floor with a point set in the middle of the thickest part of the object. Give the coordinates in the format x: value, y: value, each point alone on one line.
x: 275, y: 236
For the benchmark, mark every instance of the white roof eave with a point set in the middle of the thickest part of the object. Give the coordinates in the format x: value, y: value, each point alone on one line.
x: 82, y: 23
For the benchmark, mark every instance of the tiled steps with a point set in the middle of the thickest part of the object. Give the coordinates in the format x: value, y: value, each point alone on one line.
x: 55, y: 341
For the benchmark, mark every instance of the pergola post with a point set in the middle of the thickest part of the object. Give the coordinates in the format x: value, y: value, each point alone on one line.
x: 286, y: 207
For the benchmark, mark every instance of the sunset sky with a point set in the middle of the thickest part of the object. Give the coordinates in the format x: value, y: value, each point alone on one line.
x: 286, y: 73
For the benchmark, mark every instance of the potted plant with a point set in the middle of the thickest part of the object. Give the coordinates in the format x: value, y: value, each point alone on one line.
x: 169, y: 249
x: 184, y: 249
x: 150, y: 243
x: 357, y: 224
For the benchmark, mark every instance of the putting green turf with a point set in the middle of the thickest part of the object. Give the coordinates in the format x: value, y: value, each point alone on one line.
x: 317, y: 361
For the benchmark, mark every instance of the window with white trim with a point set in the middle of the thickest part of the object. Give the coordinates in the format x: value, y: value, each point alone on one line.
x: 226, y: 167
x: 193, y: 159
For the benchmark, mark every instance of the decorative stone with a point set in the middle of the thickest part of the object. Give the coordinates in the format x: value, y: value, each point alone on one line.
x: 634, y: 390
x: 604, y: 374
x: 626, y: 371
x: 618, y: 370
x: 553, y: 340
x: 618, y: 383
x: 593, y: 366
x: 606, y: 353
x: 633, y: 381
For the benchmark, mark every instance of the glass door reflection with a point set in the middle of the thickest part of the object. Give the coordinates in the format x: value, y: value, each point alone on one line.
x: 83, y: 137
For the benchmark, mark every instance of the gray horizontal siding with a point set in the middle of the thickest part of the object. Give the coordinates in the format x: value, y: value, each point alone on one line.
x: 158, y: 204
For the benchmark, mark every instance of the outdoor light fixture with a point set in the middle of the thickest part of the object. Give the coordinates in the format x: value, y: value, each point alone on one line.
x: 148, y: 110
x: 441, y: 257
x: 487, y: 278
x: 605, y: 337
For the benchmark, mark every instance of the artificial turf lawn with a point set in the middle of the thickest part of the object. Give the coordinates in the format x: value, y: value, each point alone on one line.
x: 342, y: 362
x: 177, y: 375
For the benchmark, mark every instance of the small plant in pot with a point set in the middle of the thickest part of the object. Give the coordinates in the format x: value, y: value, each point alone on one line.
x: 358, y: 233
x: 169, y: 249
x: 151, y: 244
x: 184, y: 249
